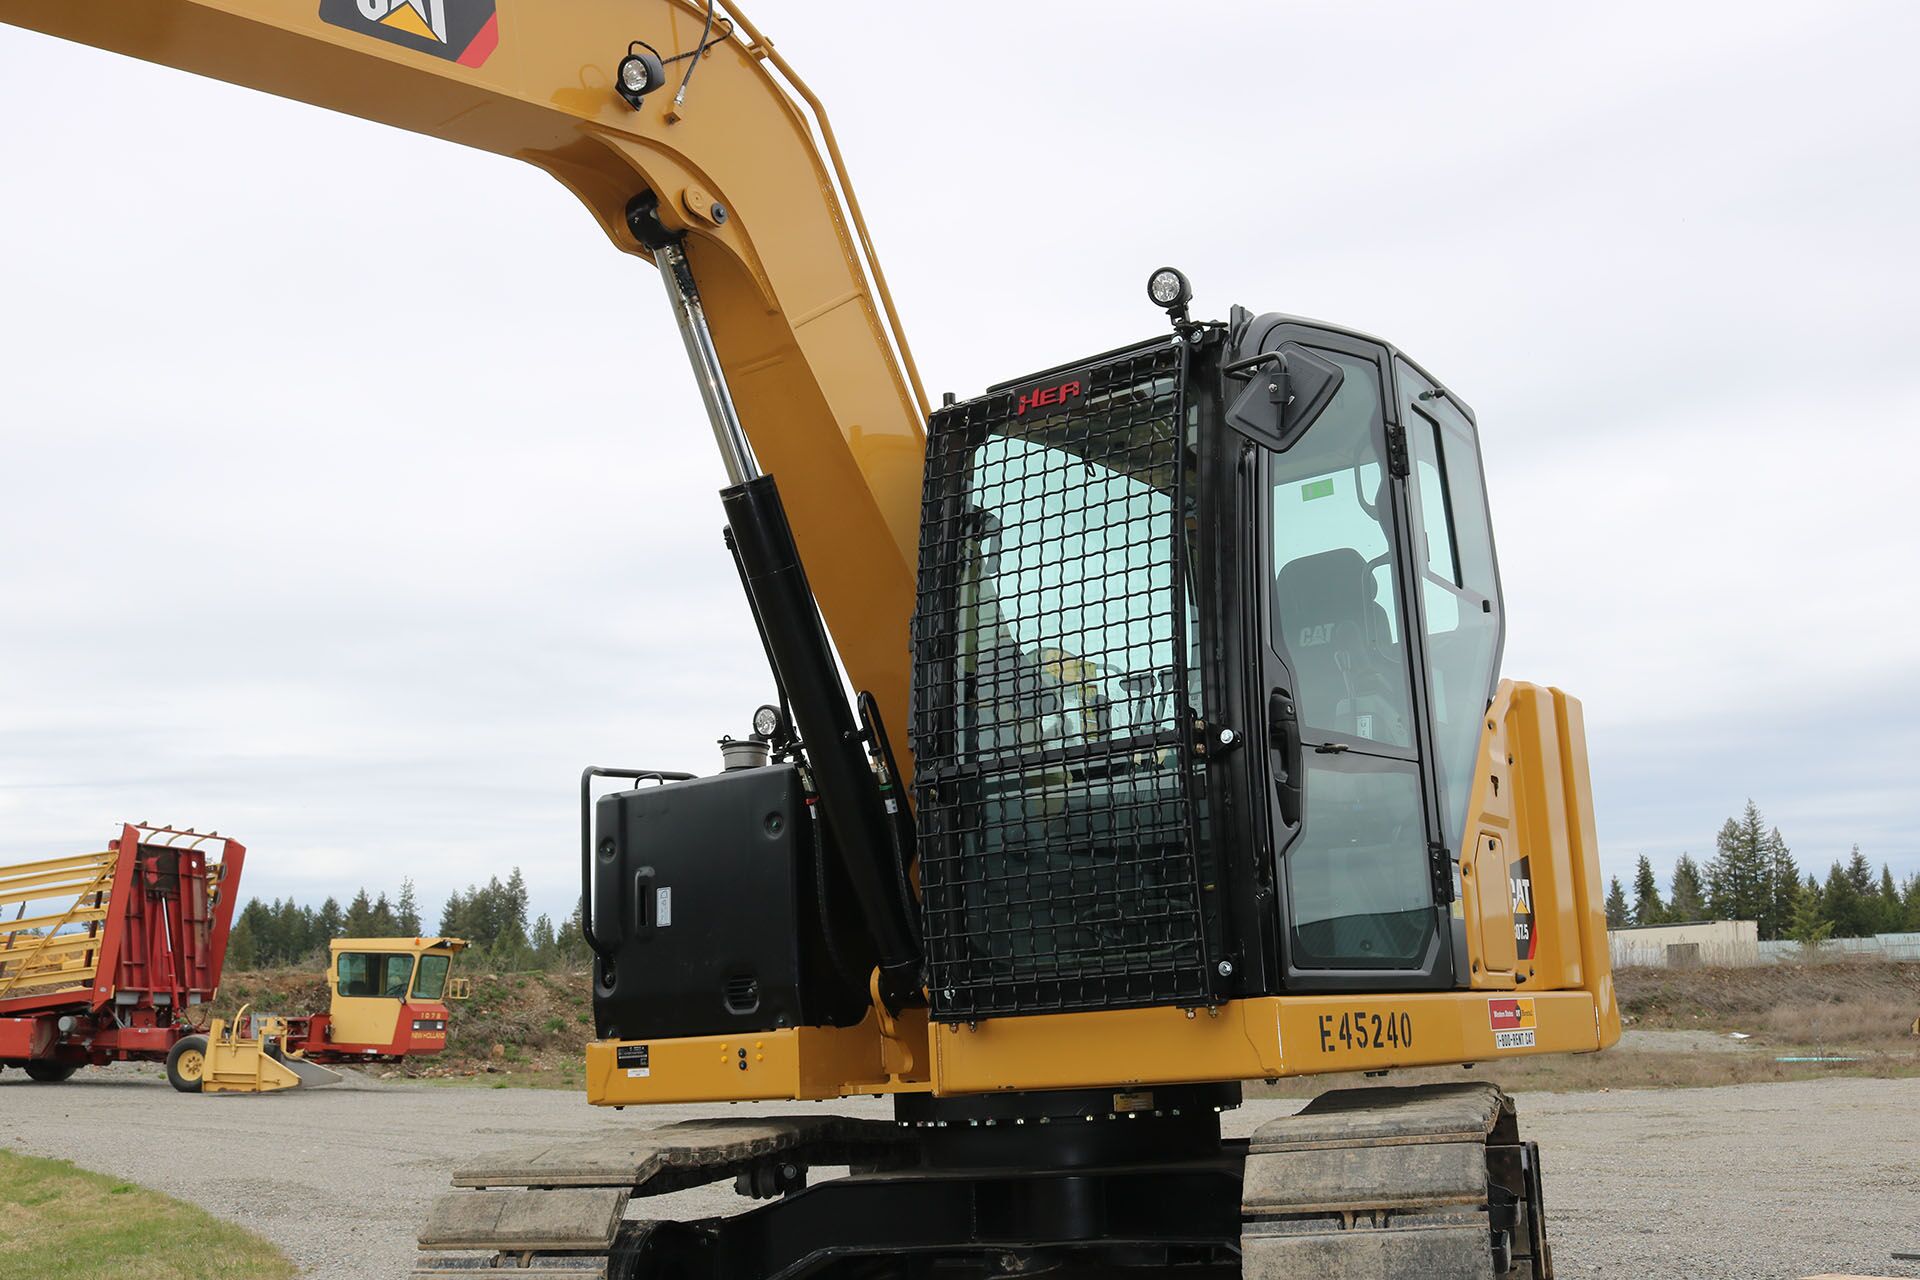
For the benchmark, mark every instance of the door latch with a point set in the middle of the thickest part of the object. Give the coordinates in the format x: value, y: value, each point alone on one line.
x: 1397, y: 451
x: 1440, y: 859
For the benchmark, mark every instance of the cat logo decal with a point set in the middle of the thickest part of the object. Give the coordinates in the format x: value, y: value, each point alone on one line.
x: 462, y: 31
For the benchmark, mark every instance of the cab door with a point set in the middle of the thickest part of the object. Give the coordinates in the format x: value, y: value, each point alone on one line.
x: 369, y: 994
x: 1364, y: 877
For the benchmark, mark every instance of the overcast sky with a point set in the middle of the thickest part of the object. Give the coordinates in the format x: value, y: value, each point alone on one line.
x: 354, y: 492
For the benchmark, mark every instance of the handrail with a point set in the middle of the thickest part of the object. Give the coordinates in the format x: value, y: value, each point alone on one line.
x: 586, y: 833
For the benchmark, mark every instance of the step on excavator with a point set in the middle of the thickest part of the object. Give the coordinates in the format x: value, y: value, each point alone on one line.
x: 1180, y: 756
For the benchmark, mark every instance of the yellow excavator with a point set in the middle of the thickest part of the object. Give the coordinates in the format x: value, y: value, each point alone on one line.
x: 1179, y: 755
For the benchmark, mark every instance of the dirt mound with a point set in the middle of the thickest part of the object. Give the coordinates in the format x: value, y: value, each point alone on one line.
x: 1864, y: 1002
x: 294, y: 993
x: 540, y: 1021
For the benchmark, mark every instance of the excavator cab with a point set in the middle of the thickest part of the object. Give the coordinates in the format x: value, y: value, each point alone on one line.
x: 1200, y: 675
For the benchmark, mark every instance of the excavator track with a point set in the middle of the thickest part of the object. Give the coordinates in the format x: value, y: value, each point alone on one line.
x: 557, y: 1212
x: 1430, y: 1182
x: 1427, y: 1183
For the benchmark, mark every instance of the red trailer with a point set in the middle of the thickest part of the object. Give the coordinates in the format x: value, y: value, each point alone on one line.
x: 107, y: 952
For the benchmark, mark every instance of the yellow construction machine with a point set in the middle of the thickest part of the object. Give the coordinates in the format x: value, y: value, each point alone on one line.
x: 386, y: 1001
x: 1180, y: 756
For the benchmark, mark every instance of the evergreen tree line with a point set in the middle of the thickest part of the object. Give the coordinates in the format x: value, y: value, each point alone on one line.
x: 1752, y: 875
x: 492, y: 916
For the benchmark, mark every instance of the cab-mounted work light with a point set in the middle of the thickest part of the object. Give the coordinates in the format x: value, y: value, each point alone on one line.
x: 1169, y: 288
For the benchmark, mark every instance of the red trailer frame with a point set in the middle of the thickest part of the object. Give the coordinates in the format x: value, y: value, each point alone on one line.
x: 150, y: 946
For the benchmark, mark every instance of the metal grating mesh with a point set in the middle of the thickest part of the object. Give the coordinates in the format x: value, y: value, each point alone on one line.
x: 1053, y: 698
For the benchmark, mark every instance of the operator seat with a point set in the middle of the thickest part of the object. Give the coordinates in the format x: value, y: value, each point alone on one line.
x: 1340, y: 647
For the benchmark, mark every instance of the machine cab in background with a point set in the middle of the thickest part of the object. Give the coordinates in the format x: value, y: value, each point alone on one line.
x: 1379, y: 622
x: 388, y: 995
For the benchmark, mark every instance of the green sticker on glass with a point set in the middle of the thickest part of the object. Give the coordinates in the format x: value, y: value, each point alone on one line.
x: 1316, y: 489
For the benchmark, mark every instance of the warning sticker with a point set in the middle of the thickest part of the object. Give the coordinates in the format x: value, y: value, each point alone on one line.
x: 1513, y: 1022
x: 634, y: 1058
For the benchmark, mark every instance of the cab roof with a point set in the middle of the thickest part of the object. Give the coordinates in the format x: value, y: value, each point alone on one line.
x: 397, y: 944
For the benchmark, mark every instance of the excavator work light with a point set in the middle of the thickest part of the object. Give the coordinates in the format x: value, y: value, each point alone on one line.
x: 766, y: 723
x: 640, y: 74
x: 1169, y: 288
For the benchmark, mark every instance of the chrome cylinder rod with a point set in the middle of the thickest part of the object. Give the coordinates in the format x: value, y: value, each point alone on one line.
x: 735, y: 452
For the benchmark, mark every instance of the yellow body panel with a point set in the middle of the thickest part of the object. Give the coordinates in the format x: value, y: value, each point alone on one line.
x: 364, y: 1019
x: 794, y: 1063
x: 1265, y: 1038
x: 1560, y: 1001
x: 791, y: 290
x: 236, y: 1064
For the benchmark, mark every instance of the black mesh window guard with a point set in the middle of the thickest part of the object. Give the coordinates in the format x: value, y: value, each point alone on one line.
x: 1052, y: 713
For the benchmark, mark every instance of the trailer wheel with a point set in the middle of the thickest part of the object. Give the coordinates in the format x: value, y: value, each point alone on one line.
x: 51, y: 1072
x: 187, y: 1063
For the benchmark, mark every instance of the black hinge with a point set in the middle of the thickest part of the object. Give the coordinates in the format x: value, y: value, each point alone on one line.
x: 1441, y: 860
x: 1397, y: 450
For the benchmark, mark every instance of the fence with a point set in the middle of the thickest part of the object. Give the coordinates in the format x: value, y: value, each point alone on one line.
x: 1732, y: 945
x: 1882, y: 946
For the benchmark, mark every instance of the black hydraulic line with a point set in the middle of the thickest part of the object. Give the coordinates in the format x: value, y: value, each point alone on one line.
x: 857, y: 821
x: 900, y: 825
x: 823, y: 901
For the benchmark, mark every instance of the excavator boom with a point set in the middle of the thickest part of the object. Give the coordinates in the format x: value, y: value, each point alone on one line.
x: 724, y: 161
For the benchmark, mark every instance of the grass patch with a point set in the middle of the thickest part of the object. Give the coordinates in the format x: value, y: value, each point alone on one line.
x: 58, y: 1222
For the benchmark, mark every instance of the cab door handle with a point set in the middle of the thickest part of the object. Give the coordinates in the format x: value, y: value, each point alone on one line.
x: 1283, y: 736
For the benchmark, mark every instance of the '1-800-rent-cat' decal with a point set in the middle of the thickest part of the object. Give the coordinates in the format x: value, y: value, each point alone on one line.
x: 462, y: 31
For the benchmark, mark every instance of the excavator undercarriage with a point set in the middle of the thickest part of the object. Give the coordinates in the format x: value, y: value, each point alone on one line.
x: 1430, y: 1182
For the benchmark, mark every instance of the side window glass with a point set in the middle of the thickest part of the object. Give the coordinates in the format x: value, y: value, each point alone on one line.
x: 1336, y: 607
x: 1458, y: 589
x: 1436, y: 515
x: 355, y: 980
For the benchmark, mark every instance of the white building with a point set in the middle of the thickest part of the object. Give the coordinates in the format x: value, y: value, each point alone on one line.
x: 1677, y: 946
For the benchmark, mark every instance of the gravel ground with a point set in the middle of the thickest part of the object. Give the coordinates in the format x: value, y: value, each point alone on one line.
x: 1771, y: 1180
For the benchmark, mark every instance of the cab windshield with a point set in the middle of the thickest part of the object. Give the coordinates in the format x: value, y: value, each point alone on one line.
x: 431, y: 982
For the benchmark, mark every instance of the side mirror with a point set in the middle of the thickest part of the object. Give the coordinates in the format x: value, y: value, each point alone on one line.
x: 1287, y: 390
